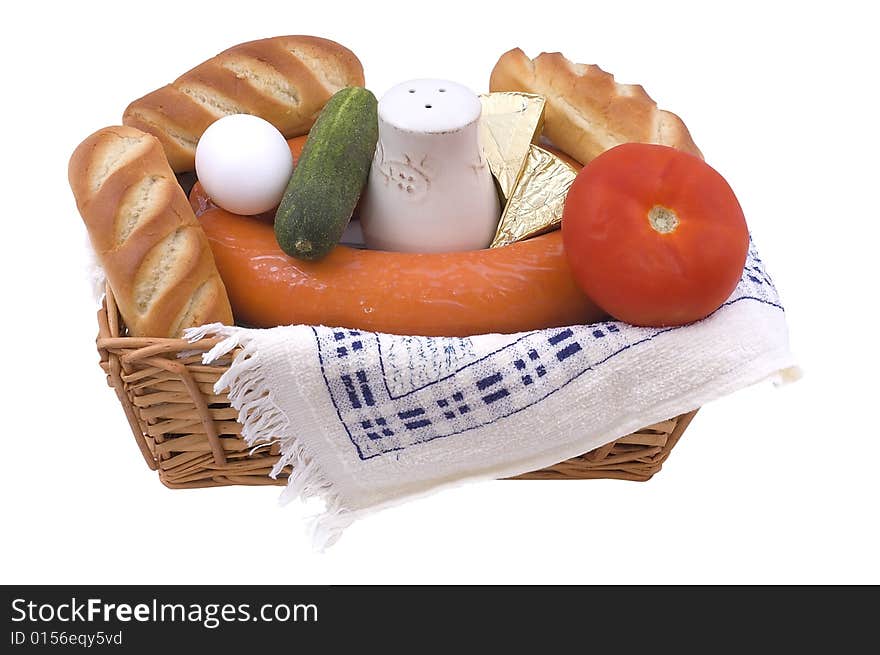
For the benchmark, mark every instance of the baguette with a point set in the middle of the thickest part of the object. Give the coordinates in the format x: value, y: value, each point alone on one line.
x: 587, y: 112
x: 285, y: 80
x: 156, y: 257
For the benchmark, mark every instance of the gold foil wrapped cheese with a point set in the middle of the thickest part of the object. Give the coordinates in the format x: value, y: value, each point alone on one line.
x: 509, y: 124
x: 537, y: 200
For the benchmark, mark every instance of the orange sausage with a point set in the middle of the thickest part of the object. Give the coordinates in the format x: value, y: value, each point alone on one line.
x: 296, y: 146
x: 523, y: 286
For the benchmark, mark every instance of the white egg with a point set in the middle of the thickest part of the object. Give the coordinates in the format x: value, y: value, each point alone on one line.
x: 244, y: 164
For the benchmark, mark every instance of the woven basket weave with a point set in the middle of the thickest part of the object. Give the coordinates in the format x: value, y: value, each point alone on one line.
x: 191, y: 435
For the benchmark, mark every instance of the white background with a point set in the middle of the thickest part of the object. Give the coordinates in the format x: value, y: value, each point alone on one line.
x: 768, y: 485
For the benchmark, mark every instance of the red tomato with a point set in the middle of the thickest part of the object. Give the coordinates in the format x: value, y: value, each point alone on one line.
x: 653, y: 235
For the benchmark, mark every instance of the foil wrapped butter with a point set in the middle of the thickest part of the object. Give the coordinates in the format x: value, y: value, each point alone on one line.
x: 533, y: 181
x: 536, y: 203
x: 509, y: 123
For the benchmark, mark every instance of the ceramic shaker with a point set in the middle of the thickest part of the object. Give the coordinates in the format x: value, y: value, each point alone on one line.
x: 430, y: 188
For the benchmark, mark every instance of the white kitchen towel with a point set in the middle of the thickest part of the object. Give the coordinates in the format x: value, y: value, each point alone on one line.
x: 367, y: 419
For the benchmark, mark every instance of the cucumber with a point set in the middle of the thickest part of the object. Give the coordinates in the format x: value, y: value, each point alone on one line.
x: 330, y: 175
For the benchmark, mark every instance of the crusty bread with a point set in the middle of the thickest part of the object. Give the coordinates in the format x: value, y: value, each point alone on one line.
x: 156, y: 257
x: 286, y: 80
x: 587, y: 112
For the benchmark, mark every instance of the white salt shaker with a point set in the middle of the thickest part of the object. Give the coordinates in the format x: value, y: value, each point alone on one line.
x: 430, y: 188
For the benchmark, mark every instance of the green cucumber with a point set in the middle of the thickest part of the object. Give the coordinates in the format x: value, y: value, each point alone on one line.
x: 329, y: 176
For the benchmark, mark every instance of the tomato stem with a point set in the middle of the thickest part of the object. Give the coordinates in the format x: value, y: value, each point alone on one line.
x: 662, y: 219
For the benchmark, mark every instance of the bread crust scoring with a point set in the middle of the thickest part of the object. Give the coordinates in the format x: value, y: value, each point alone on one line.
x: 153, y: 250
x: 286, y: 80
x: 587, y: 111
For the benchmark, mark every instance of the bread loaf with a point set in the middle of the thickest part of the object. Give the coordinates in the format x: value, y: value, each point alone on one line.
x: 285, y: 80
x: 156, y: 257
x: 587, y: 112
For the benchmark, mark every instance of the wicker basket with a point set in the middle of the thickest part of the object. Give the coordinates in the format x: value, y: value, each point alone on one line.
x: 191, y: 435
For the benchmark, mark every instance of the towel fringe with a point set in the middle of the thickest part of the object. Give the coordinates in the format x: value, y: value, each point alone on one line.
x: 264, y: 422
